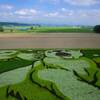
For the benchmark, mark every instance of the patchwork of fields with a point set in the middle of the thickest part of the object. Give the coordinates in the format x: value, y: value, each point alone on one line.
x: 50, y: 74
x: 47, y: 29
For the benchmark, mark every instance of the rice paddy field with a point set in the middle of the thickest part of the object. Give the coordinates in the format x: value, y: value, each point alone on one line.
x: 50, y: 74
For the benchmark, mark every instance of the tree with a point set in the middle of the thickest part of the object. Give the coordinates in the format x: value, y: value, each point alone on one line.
x: 96, y: 29
x: 11, y: 30
x: 31, y: 28
x: 1, y: 29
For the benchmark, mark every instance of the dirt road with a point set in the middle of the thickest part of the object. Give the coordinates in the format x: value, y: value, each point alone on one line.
x: 68, y: 40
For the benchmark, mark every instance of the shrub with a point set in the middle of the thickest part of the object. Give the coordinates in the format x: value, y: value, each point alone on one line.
x: 96, y: 29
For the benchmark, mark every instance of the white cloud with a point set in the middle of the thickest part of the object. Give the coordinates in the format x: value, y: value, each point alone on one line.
x: 73, y: 14
x: 74, y: 2
x: 26, y: 12
x: 89, y: 13
x: 62, y: 15
x: 6, y: 7
x: 53, y: 14
x: 6, y: 14
x: 82, y: 2
x: 63, y: 9
x: 51, y: 1
x: 24, y: 17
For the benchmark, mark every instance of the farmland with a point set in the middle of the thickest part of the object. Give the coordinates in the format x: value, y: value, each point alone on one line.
x: 29, y: 74
x: 47, y: 30
x: 29, y: 28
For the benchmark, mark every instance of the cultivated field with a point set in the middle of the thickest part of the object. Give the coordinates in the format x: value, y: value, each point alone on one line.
x: 55, y: 40
x: 47, y: 29
x: 50, y: 74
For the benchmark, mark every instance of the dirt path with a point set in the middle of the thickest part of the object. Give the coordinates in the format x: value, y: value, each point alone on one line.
x: 68, y: 40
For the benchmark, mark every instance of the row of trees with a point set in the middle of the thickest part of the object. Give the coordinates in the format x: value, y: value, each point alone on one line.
x: 97, y: 29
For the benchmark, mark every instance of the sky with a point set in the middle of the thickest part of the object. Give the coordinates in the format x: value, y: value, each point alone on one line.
x: 68, y: 12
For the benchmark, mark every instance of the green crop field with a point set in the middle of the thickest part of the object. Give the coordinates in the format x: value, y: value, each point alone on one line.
x: 47, y: 29
x: 50, y: 74
x: 60, y: 29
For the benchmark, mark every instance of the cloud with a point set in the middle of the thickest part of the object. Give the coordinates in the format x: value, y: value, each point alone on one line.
x: 51, y: 1
x: 6, y: 15
x: 26, y: 12
x: 56, y: 15
x: 62, y: 15
x: 52, y: 14
x: 63, y: 9
x: 82, y: 2
x: 74, y: 15
x: 74, y: 2
x: 6, y: 7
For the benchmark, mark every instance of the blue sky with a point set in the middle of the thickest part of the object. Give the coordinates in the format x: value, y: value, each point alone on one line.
x: 70, y: 12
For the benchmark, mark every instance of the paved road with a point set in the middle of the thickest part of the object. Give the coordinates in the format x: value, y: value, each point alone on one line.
x: 71, y: 40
